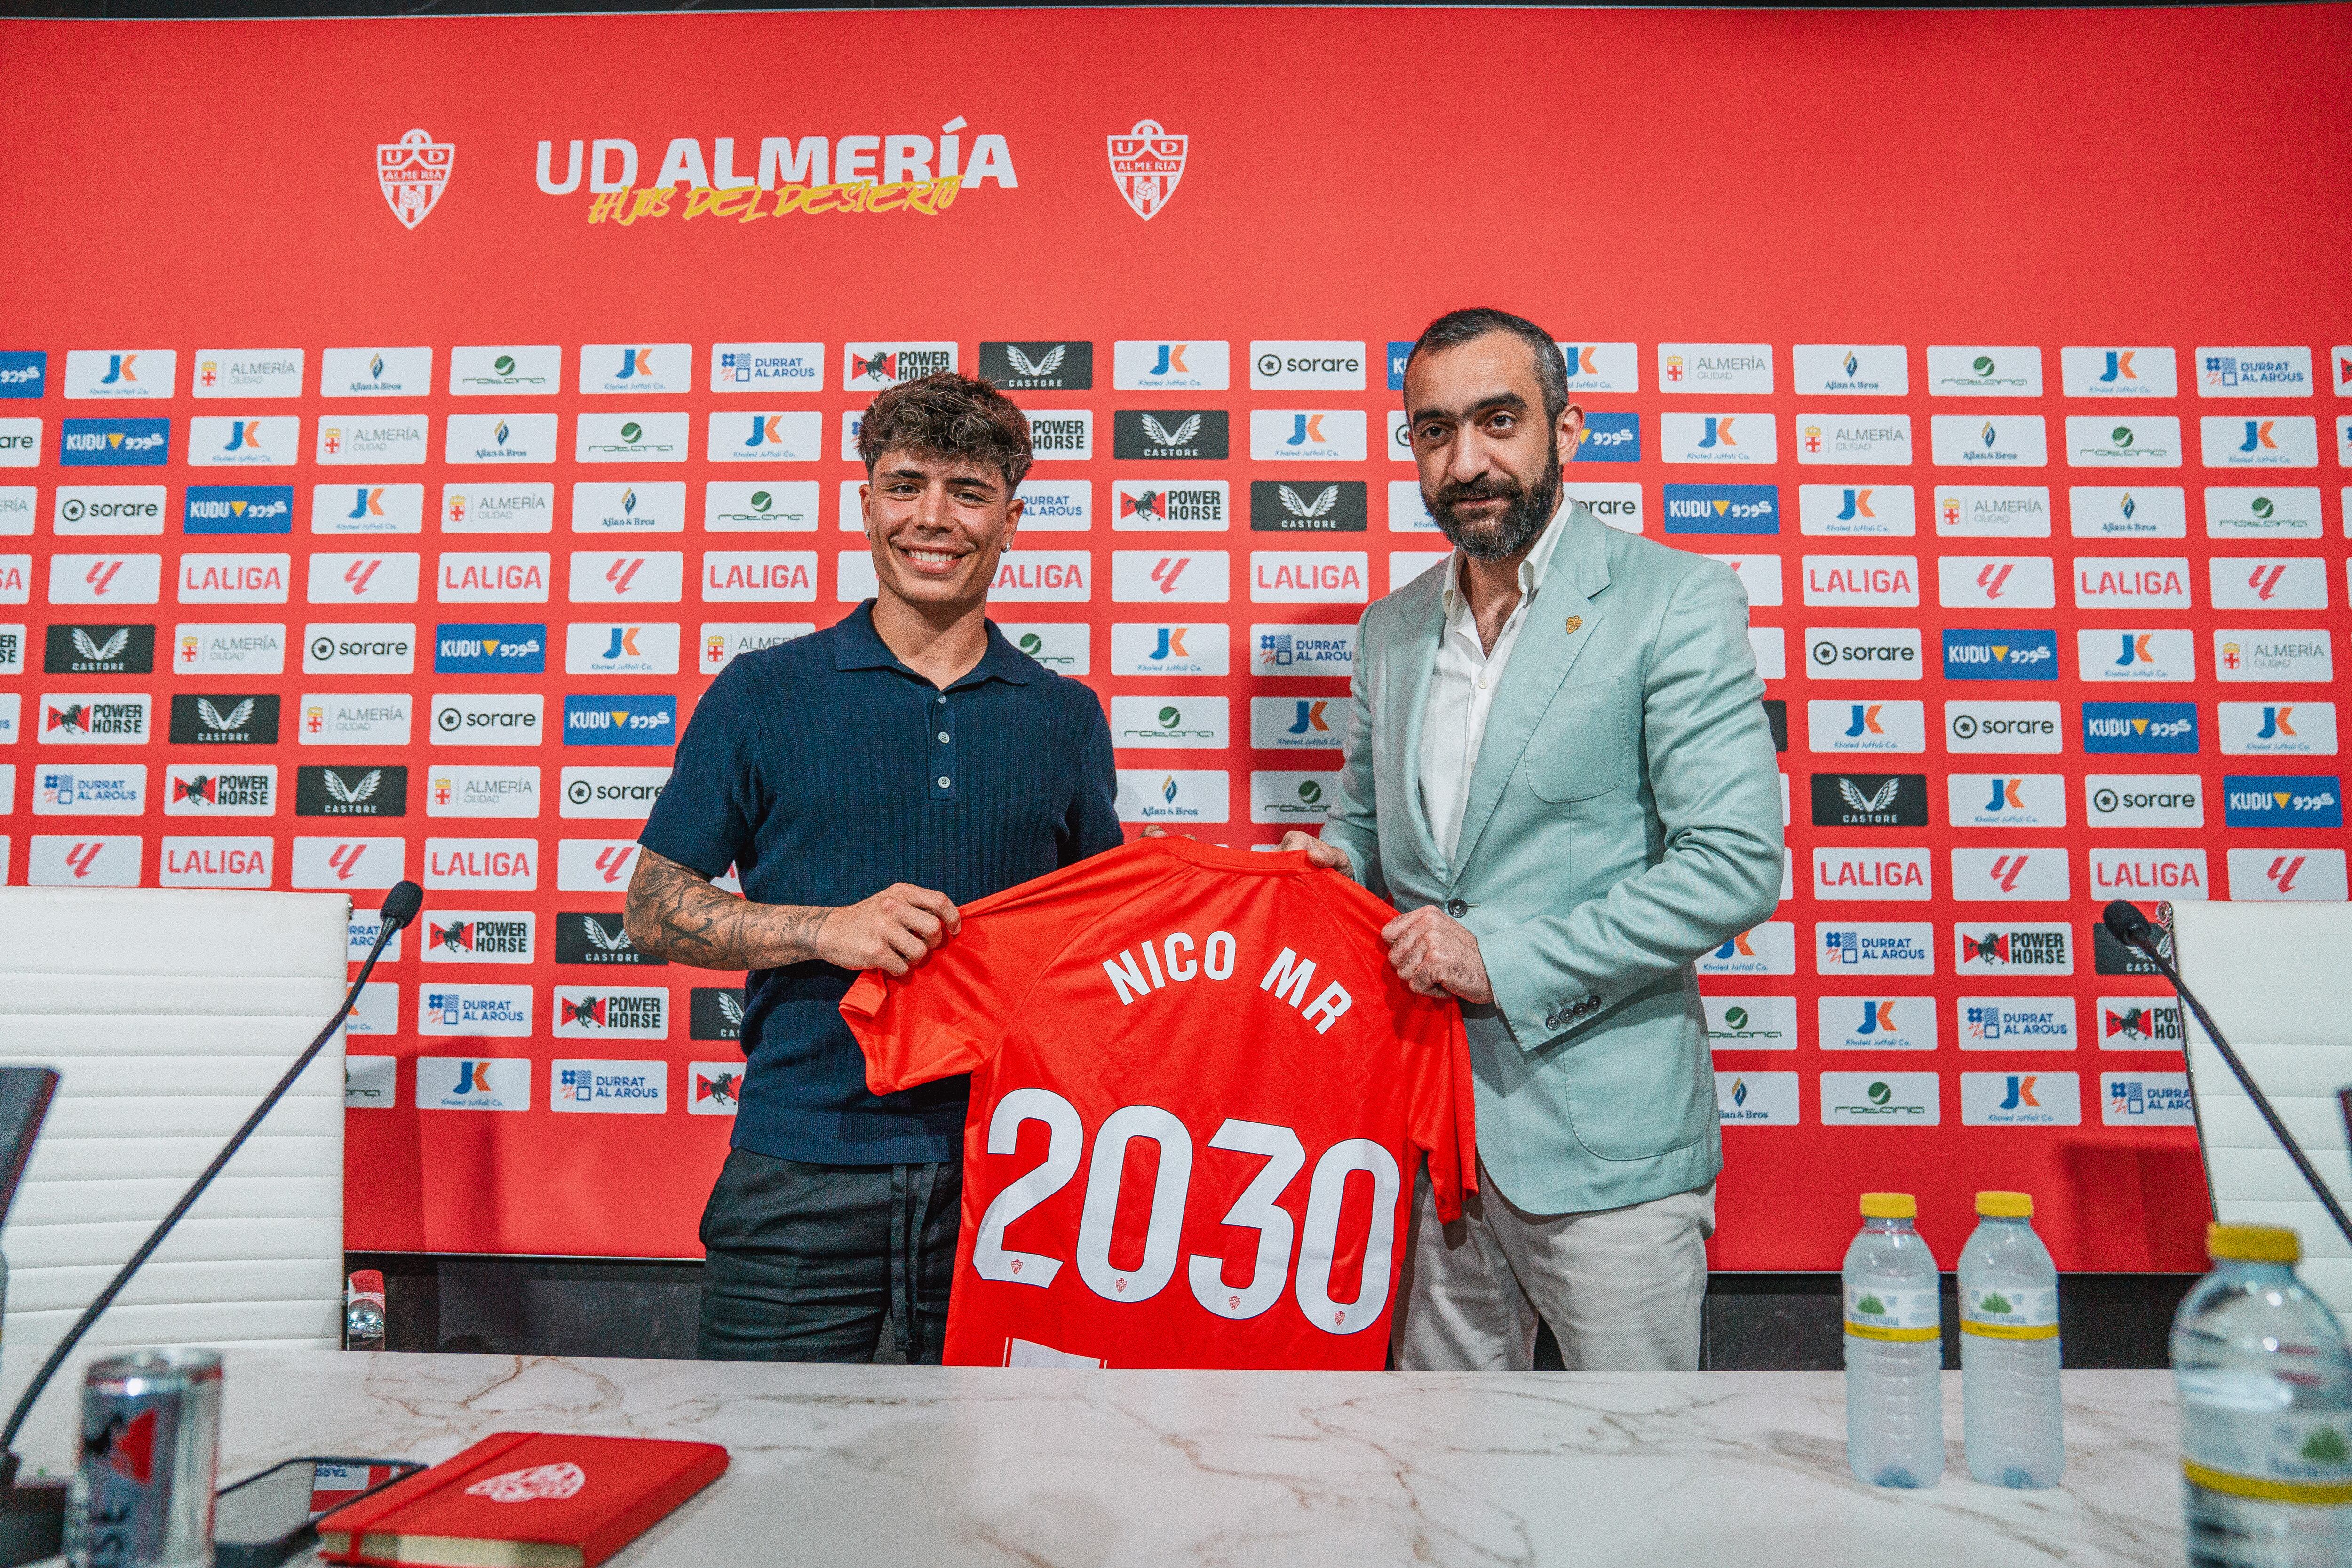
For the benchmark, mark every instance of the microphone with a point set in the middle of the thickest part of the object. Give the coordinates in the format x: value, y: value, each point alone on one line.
x: 32, y: 1512
x: 2128, y: 926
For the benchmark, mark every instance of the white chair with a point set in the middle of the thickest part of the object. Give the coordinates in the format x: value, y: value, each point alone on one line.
x: 2277, y: 979
x: 170, y: 1015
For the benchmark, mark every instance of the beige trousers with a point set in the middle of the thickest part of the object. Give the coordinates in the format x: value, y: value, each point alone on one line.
x: 1621, y: 1288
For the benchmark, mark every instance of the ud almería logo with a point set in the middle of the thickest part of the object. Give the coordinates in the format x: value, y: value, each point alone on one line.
x: 1146, y: 164
x: 413, y: 173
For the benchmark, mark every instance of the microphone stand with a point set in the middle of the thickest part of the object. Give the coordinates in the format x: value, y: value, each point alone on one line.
x: 2130, y: 927
x: 32, y: 1511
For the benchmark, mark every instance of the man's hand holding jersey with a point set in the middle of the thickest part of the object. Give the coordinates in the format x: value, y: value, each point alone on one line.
x: 1431, y: 951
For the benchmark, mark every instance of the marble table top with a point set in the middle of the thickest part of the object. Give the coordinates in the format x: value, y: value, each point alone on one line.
x: 889, y: 1465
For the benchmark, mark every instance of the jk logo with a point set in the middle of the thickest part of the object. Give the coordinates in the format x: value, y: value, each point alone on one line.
x: 1877, y: 1019
x: 2258, y: 437
x: 118, y: 370
x: 2119, y: 368
x: 1308, y: 427
x: 1172, y: 642
x: 2135, y: 651
x: 1865, y: 721
x: 764, y: 432
x: 2275, y: 722
x: 1857, y: 504
x: 244, y: 436
x: 624, y: 640
x: 1739, y: 946
x: 367, y: 501
x: 2005, y: 795
x: 1171, y: 360
x: 2021, y: 1086
x: 471, y: 1078
x: 1309, y: 720
x: 1719, y: 433
x: 635, y: 364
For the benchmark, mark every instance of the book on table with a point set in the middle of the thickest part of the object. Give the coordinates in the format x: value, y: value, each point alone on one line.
x: 524, y: 1500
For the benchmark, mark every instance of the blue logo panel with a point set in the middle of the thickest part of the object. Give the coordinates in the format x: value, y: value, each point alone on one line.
x: 116, y: 444
x: 238, y: 508
x: 1398, y: 354
x: 1974, y: 655
x: 2141, y: 727
x: 1611, y: 438
x: 616, y: 721
x: 2283, y: 800
x: 1723, y: 508
x: 22, y: 372
x: 517, y: 647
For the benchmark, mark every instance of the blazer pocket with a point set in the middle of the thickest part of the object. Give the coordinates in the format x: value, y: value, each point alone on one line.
x: 1584, y: 746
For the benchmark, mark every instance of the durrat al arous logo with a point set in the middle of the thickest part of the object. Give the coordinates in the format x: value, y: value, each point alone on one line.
x: 1146, y: 164
x: 413, y: 173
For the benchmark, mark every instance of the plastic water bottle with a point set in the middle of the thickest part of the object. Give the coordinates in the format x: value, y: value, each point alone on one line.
x: 2008, y: 1347
x: 2265, y: 1410
x: 1893, y: 1348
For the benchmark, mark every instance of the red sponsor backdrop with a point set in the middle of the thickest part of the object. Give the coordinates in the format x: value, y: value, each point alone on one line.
x: 2032, y: 180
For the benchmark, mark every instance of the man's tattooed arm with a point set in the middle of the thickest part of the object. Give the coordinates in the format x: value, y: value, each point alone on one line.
x: 675, y: 913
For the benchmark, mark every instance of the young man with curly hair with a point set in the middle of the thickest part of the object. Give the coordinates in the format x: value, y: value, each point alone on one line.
x: 864, y: 782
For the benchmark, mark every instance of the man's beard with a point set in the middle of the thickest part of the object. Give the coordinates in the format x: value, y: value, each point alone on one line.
x: 1520, y: 524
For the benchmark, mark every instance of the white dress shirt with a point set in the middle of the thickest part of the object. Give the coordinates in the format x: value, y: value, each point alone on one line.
x: 1461, y: 689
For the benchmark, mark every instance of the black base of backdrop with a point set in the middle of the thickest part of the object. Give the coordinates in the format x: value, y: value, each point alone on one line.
x: 599, y: 1307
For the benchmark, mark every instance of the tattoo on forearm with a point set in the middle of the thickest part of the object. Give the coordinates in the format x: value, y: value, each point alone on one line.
x: 675, y: 913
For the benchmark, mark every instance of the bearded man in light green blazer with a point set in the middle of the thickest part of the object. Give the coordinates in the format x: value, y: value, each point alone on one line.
x: 1560, y: 769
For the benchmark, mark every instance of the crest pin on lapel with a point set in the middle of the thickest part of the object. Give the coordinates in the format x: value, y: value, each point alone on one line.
x: 1574, y: 622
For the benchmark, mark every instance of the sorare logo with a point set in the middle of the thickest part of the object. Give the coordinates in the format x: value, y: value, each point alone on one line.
x: 2283, y: 800
x: 239, y: 509
x: 1723, y: 508
x: 609, y: 720
x: 116, y: 444
x: 495, y: 648
x: 1973, y: 655
x: 2141, y: 727
x: 1617, y: 438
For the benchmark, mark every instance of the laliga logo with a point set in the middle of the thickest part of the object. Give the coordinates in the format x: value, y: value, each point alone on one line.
x: 1146, y: 164
x: 412, y: 173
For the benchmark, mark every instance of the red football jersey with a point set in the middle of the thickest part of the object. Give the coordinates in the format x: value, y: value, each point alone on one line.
x: 1198, y: 1098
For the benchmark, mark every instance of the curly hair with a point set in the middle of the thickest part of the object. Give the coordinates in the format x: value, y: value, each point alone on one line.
x: 949, y: 417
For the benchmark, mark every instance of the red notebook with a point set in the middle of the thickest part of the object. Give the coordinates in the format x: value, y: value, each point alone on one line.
x: 524, y: 1500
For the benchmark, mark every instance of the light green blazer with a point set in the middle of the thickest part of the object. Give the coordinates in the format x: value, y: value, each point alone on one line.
x: 1623, y: 818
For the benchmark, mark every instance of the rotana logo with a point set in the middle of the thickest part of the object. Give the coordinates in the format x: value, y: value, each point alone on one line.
x: 2121, y: 436
x: 762, y: 501
x: 1737, y: 1016
x: 1309, y: 791
x: 1879, y: 1092
x: 1031, y: 643
x: 630, y: 433
x: 1171, y: 717
x: 2263, y: 506
x: 1984, y: 365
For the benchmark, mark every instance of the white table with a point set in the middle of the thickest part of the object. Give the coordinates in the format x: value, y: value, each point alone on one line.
x: 848, y: 1465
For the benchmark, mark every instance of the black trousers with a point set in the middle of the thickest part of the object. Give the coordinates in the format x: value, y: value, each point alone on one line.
x: 807, y: 1262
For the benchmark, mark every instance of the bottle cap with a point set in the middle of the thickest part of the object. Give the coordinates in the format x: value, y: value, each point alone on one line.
x: 1889, y: 1206
x: 2252, y: 1244
x: 2005, y: 1206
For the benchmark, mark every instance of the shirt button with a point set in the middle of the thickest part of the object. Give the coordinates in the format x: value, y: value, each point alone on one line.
x: 1457, y: 907
x: 943, y: 737
x: 943, y: 781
